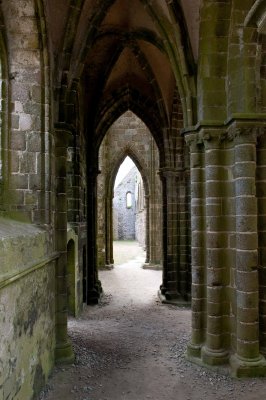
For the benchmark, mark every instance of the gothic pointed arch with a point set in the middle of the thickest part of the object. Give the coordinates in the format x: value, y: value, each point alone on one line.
x: 129, y: 99
x: 132, y: 139
x: 128, y: 151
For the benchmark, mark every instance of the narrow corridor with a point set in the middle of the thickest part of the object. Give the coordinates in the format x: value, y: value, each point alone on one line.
x: 131, y: 347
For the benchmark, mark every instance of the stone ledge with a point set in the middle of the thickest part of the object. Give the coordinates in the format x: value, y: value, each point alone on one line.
x: 27, y: 269
x: 22, y: 250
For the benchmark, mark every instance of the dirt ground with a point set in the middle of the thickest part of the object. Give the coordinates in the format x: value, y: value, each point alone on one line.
x: 131, y: 347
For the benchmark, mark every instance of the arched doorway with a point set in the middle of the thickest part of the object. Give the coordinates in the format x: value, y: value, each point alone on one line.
x: 129, y: 139
x: 129, y: 221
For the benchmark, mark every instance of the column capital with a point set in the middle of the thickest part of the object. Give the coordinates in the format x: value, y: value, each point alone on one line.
x: 169, y: 172
x: 207, y: 137
x: 212, y: 137
x: 192, y: 139
x: 245, y: 133
x: 63, y: 134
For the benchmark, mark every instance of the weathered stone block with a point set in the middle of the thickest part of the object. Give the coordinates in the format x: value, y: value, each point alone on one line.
x: 247, y: 299
x: 18, y: 181
x: 246, y: 260
x: 247, y: 241
x: 248, y: 349
x: 18, y: 141
x: 244, y: 170
x: 247, y: 281
x: 246, y: 205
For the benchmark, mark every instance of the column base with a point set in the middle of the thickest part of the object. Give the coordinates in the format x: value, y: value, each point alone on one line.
x: 64, y: 353
x: 211, y: 357
x: 173, y: 298
x: 156, y: 267
x: 263, y: 351
x: 247, y: 368
x: 106, y: 267
x: 93, y: 296
x: 193, y: 352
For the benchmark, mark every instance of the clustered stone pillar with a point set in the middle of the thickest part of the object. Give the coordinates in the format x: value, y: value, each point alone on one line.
x: 247, y: 360
x: 93, y: 284
x: 171, y: 272
x: 198, y: 289
x: 63, y: 350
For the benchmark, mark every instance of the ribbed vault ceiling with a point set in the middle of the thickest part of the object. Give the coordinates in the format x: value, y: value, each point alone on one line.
x: 124, y: 43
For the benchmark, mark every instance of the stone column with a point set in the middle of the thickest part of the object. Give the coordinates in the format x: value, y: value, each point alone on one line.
x: 63, y: 349
x: 214, y: 351
x: 171, y: 281
x: 247, y: 360
x: 261, y: 194
x: 198, y: 289
x: 154, y: 216
x: 93, y: 284
x: 109, y: 233
x: 184, y: 266
x: 147, y: 233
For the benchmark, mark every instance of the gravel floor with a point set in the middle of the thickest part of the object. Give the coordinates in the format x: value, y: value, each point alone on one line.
x: 131, y: 347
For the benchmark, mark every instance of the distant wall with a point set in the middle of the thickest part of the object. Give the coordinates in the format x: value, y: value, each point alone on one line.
x: 141, y: 214
x: 125, y: 216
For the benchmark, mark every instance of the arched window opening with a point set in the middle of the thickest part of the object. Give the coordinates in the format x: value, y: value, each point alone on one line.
x: 124, y: 205
x: 129, y: 200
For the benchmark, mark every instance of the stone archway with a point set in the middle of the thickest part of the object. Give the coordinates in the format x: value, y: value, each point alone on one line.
x: 147, y: 162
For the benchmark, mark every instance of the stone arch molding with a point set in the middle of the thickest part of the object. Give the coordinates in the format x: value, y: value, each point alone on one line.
x: 257, y: 16
x: 128, y: 99
x: 138, y: 161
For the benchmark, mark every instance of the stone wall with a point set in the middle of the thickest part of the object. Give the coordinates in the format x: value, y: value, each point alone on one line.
x: 27, y: 315
x: 141, y: 215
